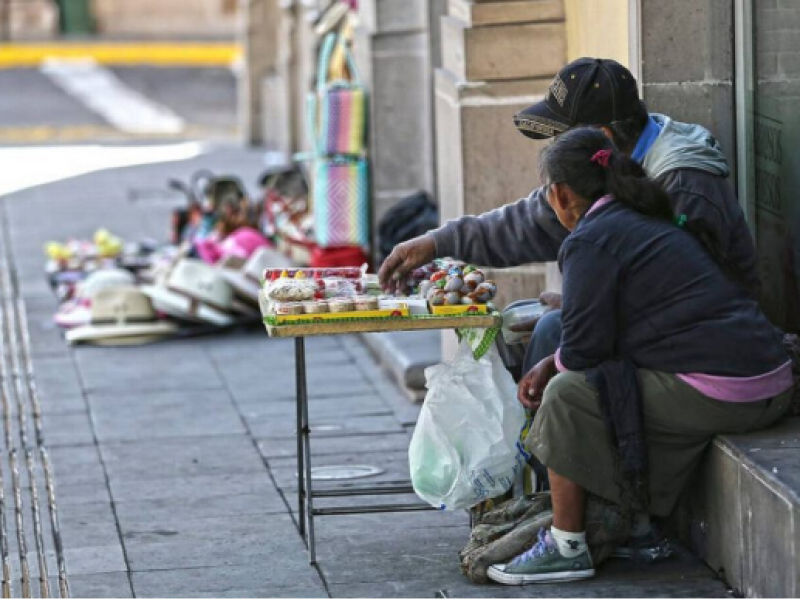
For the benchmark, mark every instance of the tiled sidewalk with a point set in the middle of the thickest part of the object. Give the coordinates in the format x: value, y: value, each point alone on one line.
x: 175, y: 463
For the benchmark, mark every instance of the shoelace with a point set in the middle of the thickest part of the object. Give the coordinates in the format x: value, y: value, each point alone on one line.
x: 537, y: 551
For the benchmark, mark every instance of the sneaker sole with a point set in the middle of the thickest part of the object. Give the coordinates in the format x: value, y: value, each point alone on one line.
x: 499, y: 576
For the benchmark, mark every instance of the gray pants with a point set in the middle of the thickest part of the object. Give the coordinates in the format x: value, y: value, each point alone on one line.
x: 569, y: 434
x: 545, y: 340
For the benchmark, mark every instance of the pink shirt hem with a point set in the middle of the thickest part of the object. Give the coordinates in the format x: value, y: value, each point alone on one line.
x: 731, y: 389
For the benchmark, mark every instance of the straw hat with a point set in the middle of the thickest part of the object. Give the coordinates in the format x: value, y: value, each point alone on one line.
x: 121, y: 315
x: 246, y: 281
x: 194, y: 291
x: 78, y: 311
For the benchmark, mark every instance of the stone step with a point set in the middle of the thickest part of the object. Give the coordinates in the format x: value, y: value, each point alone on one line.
x: 744, y: 517
x: 406, y: 355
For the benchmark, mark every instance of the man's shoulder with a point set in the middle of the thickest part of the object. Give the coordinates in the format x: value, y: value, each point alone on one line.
x: 682, y: 181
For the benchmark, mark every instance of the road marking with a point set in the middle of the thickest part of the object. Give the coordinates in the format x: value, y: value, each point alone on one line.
x: 187, y: 55
x: 22, y: 168
x: 46, y: 134
x: 103, y: 92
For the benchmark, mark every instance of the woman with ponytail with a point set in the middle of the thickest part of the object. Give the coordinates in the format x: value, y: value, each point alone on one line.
x: 660, y: 351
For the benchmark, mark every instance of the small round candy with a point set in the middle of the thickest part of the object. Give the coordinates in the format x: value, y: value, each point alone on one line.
x: 454, y: 284
x: 452, y: 298
x: 437, y: 298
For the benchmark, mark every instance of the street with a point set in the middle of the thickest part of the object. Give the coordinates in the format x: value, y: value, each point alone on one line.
x: 59, y: 104
x: 174, y: 464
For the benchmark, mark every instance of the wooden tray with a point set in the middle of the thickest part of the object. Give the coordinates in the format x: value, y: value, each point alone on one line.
x: 378, y: 325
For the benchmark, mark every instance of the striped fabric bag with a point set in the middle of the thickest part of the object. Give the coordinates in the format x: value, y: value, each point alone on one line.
x: 343, y: 119
x: 337, y: 123
x: 341, y: 202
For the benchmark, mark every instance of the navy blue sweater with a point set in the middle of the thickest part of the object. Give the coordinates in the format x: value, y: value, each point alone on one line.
x: 641, y: 289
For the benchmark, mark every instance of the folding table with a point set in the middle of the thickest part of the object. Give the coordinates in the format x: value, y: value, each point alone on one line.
x: 305, y: 492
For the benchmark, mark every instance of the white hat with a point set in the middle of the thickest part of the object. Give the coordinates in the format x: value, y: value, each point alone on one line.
x: 121, y: 315
x: 246, y: 281
x: 78, y: 311
x: 194, y: 291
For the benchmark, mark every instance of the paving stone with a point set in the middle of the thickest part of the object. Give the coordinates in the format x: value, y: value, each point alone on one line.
x: 128, y: 371
x: 103, y: 585
x: 369, y: 444
x: 88, y: 532
x: 253, y: 388
x: 157, y: 459
x: 211, y: 529
x: 394, y: 466
x: 352, y: 569
x: 164, y: 584
x: 71, y: 495
x: 323, y: 427
x: 316, y: 591
x: 73, y: 429
x: 95, y: 559
x: 211, y: 413
x: 162, y: 511
x: 57, y: 377
x: 194, y: 487
x: 279, y: 550
x: 366, y: 404
x: 77, y: 465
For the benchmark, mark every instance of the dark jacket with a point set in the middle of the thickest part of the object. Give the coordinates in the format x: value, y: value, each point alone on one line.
x: 644, y: 290
x: 528, y: 231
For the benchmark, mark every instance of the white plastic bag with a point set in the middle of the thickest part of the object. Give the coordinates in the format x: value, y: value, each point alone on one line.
x: 465, y: 448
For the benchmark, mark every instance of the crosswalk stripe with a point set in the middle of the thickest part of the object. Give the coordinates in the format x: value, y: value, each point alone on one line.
x: 103, y: 92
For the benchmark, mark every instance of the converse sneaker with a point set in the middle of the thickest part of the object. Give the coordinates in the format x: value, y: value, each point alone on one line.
x: 543, y: 564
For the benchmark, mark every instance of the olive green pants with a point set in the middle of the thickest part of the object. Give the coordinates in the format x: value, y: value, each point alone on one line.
x: 569, y: 435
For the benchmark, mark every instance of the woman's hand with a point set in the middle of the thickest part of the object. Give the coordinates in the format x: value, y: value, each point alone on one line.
x: 405, y: 258
x: 531, y: 387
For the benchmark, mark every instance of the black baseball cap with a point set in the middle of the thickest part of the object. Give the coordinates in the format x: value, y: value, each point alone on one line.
x: 588, y: 91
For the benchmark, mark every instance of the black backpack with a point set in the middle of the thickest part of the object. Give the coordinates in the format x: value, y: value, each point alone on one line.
x: 409, y: 218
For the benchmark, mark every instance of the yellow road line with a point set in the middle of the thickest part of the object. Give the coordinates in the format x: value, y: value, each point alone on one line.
x: 161, y: 54
x: 87, y: 133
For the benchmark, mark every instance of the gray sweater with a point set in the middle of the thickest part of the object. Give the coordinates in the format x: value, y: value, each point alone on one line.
x: 685, y: 159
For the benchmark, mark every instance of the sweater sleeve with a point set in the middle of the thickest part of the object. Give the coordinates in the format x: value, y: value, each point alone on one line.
x: 515, y: 234
x: 591, y: 283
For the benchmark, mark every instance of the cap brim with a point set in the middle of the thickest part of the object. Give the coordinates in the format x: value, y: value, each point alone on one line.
x: 539, y: 122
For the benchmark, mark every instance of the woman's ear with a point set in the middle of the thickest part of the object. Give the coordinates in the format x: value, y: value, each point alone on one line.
x: 562, y: 196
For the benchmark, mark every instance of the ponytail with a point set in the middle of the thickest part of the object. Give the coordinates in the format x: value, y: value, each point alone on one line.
x: 628, y: 183
x: 589, y: 163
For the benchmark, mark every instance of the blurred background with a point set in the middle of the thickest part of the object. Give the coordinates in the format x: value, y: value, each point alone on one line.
x: 442, y: 77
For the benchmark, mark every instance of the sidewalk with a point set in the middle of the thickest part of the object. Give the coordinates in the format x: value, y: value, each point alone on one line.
x: 174, y: 463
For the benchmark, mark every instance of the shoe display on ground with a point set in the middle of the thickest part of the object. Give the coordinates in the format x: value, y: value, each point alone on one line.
x: 543, y: 564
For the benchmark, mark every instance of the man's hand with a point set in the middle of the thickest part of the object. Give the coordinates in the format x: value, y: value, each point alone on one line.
x: 551, y: 300
x: 405, y: 258
x: 531, y: 387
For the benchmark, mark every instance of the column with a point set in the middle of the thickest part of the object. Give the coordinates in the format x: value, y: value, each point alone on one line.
x: 259, y: 33
x: 392, y: 48
x: 498, y: 58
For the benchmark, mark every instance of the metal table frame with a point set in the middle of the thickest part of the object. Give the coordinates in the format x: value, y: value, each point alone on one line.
x: 305, y: 492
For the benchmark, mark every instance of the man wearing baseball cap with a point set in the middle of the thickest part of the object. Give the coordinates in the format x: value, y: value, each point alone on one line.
x: 684, y: 158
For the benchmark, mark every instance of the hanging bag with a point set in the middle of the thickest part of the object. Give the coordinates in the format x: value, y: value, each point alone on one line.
x: 337, y: 127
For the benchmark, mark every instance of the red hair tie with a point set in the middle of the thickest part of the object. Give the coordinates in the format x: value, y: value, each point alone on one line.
x: 601, y: 157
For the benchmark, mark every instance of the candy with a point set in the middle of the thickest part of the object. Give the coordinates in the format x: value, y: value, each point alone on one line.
x: 454, y: 284
x: 452, y: 298
x: 437, y: 298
